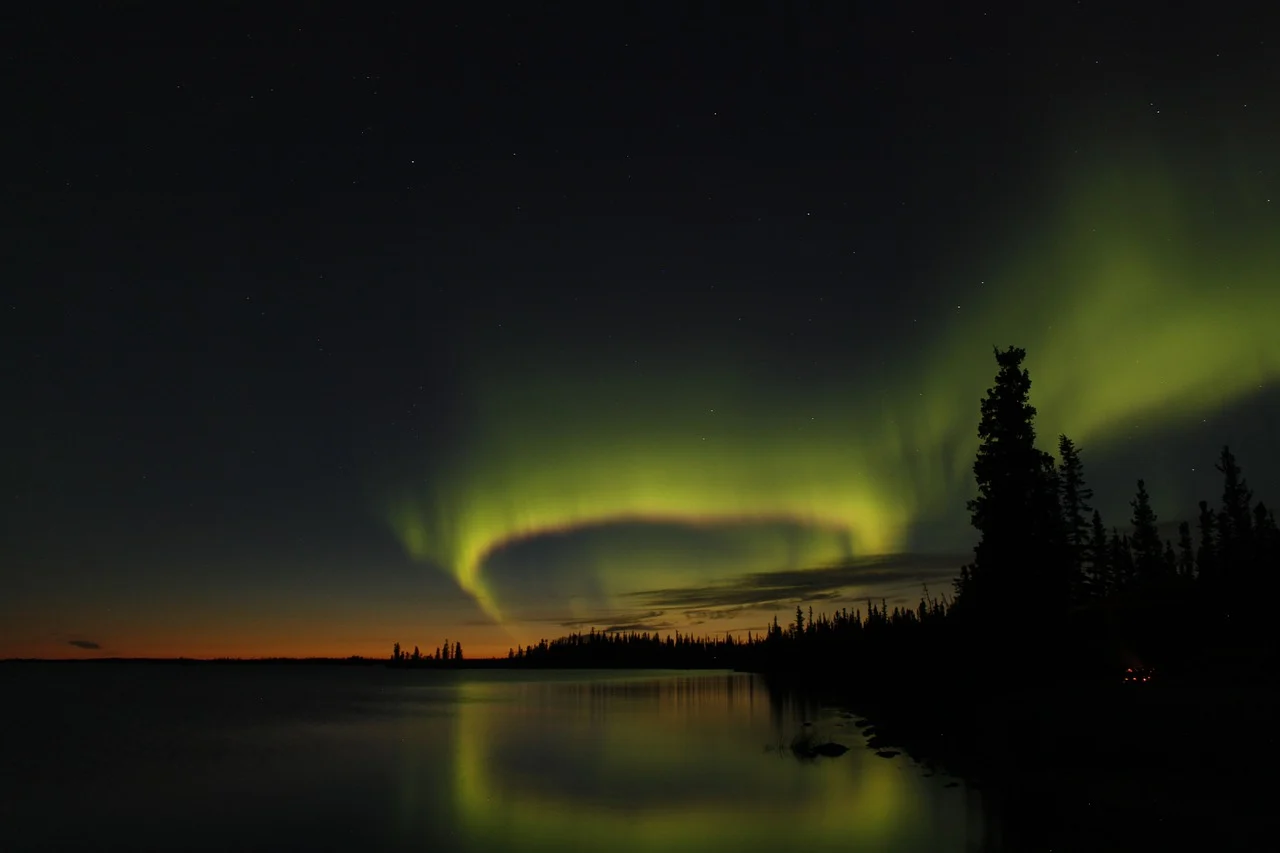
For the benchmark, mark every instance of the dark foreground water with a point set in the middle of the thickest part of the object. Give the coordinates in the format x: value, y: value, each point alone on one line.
x: 279, y: 757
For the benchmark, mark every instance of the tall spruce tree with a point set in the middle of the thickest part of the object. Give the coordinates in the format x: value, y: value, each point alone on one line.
x: 1148, y: 553
x: 1074, y: 496
x: 1055, y: 573
x: 1235, y: 521
x: 1121, y: 561
x: 1099, y: 562
x: 1207, y: 551
x: 1019, y: 551
x: 1266, y: 551
x: 1265, y: 532
x: 1186, y: 551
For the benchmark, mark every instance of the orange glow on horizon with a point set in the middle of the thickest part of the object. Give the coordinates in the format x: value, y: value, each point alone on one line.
x: 478, y: 642
x: 235, y: 649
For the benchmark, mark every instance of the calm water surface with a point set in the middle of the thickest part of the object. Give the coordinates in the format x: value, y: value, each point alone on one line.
x: 278, y: 757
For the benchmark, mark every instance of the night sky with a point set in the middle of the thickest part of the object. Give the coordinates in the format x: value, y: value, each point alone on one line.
x: 327, y: 329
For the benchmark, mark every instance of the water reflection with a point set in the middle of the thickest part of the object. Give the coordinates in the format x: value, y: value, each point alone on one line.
x: 218, y: 758
x: 676, y: 763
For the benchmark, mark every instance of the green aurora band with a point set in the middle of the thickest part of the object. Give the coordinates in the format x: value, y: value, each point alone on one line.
x: 1140, y: 304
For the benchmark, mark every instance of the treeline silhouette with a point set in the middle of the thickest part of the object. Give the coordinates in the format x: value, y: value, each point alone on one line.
x: 445, y: 655
x: 1052, y: 591
x: 844, y: 633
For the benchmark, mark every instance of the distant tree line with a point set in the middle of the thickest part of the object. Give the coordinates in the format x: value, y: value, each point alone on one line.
x: 445, y: 655
x: 1050, y: 589
x: 843, y: 633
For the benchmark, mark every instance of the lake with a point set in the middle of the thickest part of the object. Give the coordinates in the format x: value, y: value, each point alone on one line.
x: 309, y: 757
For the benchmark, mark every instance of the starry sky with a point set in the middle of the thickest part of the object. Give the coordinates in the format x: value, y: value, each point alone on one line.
x: 329, y: 329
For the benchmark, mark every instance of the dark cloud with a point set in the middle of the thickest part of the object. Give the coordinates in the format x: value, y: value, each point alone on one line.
x: 628, y: 627
x: 84, y: 644
x: 721, y: 613
x: 896, y: 578
x: 618, y: 621
x: 874, y: 577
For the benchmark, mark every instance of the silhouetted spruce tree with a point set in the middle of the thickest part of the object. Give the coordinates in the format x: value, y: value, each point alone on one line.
x: 1019, y: 553
x: 1121, y: 561
x: 799, y: 623
x: 1074, y: 497
x: 1055, y: 568
x: 1266, y: 551
x: 395, y: 652
x: 1266, y: 533
x: 417, y: 655
x: 1099, y: 562
x: 457, y: 651
x: 1235, y: 521
x: 1186, y: 551
x: 1148, y: 555
x: 1207, y: 551
x: 1170, y: 560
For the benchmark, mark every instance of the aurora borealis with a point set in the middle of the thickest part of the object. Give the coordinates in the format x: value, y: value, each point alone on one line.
x: 494, y: 329
x: 1144, y: 316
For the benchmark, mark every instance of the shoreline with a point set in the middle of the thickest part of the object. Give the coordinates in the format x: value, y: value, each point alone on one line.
x: 1087, y: 764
